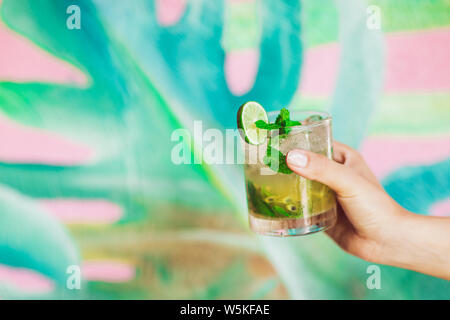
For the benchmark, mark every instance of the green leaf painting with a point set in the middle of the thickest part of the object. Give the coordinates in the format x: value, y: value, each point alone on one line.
x: 87, y: 123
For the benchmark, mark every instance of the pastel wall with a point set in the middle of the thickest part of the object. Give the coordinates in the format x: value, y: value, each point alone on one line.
x: 86, y: 118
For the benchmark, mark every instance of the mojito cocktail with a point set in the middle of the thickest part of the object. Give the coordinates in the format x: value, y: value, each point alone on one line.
x: 281, y: 203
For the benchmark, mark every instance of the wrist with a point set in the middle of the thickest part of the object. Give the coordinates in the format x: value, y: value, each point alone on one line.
x: 395, y: 244
x: 419, y: 243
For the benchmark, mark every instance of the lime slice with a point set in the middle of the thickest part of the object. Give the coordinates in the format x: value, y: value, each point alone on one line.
x: 248, y: 114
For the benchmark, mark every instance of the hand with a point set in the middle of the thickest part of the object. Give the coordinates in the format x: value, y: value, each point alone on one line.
x: 371, y: 225
x: 364, y: 208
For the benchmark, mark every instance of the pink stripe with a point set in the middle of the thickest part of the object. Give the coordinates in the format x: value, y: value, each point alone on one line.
x: 415, y: 61
x: 22, y: 61
x: 441, y: 208
x: 241, y: 68
x: 169, y: 12
x: 319, y: 72
x: 22, y: 144
x: 108, y: 271
x: 386, y: 154
x: 25, y: 280
x: 418, y: 61
x: 77, y: 211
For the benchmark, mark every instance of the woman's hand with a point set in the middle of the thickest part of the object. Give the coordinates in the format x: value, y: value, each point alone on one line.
x: 371, y: 225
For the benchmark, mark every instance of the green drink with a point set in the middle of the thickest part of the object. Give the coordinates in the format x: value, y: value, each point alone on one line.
x: 280, y: 202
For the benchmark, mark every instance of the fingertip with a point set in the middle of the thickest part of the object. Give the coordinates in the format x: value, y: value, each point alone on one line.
x: 320, y: 168
x: 297, y: 158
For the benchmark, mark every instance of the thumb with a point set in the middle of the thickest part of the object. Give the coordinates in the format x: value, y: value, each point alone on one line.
x: 342, y: 179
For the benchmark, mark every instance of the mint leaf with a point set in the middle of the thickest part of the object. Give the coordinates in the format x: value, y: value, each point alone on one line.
x: 284, y: 121
x: 293, y: 123
x: 283, y: 117
x: 275, y: 154
x: 260, y: 124
x: 257, y: 202
x: 281, y: 122
x: 281, y: 211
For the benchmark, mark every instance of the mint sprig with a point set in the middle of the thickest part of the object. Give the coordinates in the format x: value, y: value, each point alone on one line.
x: 285, y: 122
x: 261, y: 124
x: 282, y: 123
x: 273, y: 154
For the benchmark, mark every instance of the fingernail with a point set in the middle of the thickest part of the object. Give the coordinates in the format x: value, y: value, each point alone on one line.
x: 297, y: 159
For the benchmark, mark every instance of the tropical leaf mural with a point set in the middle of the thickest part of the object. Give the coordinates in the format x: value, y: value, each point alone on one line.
x: 86, y: 123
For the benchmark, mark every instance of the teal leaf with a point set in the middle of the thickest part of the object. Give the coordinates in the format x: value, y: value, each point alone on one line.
x: 31, y: 238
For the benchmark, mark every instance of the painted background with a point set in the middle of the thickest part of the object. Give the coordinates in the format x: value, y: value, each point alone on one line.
x: 86, y: 118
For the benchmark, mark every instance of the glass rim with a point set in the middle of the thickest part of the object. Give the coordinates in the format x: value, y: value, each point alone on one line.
x: 326, y: 118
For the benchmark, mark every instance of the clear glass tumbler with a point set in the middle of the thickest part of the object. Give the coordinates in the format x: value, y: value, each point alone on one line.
x: 281, y: 203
